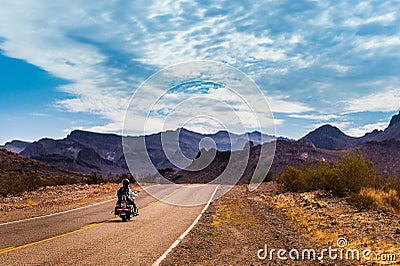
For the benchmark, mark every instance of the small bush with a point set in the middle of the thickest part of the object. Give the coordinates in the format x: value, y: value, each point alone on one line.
x: 119, y: 178
x: 361, y: 202
x: 12, y: 183
x: 295, y: 180
x: 94, y: 178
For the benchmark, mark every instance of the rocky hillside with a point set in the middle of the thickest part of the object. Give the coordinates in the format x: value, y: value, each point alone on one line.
x: 88, y: 152
x: 331, y: 138
x: 392, y: 131
x: 15, y: 146
x: 81, y: 151
x: 287, y: 153
x: 18, y: 173
x: 385, y: 155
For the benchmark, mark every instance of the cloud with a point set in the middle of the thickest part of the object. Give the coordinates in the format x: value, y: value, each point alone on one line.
x: 321, y: 117
x: 362, y: 130
x: 306, y: 56
x: 281, y: 104
x: 39, y: 114
x: 357, y: 21
x: 383, y: 101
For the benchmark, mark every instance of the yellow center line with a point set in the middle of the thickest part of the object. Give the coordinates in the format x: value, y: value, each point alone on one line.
x: 9, y: 249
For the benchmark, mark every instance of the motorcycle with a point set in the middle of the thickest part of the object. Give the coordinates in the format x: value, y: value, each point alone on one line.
x: 124, y: 210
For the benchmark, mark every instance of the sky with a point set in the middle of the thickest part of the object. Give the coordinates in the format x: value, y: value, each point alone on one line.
x: 76, y: 64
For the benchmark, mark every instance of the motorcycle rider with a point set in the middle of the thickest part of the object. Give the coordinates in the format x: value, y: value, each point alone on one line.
x: 130, y: 195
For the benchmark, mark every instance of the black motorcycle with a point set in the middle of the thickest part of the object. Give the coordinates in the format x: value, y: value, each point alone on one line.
x: 124, y: 210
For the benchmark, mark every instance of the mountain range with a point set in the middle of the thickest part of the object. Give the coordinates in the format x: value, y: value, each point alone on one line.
x: 86, y: 152
x: 331, y: 138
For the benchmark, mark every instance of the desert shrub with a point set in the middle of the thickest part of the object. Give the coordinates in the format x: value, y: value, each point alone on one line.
x: 62, y: 180
x: 295, y: 180
x: 352, y: 177
x: 384, y: 200
x: 94, y: 178
x: 11, y: 183
x: 32, y: 182
x: 345, y: 177
x: 119, y: 178
x: 392, y: 200
x: 361, y: 201
x: 392, y: 183
x: 355, y: 172
x: 268, y: 177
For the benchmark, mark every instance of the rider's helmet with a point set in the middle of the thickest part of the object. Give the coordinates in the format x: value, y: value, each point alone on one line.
x: 125, y: 182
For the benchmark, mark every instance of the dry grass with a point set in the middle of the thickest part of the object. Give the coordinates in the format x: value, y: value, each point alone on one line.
x: 388, y: 201
x: 229, y: 212
x: 31, y: 202
x: 327, y: 219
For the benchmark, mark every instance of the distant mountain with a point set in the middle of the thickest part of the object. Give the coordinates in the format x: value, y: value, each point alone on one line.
x: 331, y: 138
x: 88, y: 152
x: 395, y: 121
x: 392, y: 131
x: 81, y: 151
x: 287, y: 153
x: 385, y: 156
x: 15, y: 146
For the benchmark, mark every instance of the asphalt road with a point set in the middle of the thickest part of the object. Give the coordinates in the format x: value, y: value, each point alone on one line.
x: 93, y: 236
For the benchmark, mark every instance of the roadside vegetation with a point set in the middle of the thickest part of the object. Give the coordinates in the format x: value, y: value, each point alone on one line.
x: 352, y: 177
x: 13, y: 183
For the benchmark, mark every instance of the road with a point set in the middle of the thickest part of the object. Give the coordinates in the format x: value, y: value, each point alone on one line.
x: 93, y: 236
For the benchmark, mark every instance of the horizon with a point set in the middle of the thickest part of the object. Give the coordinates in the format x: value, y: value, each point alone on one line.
x: 316, y: 63
x: 180, y: 128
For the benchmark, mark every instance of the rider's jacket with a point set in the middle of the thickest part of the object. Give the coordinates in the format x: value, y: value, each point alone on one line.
x: 130, y: 195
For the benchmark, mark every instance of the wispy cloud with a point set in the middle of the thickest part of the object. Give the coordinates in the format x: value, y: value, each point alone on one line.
x: 307, y: 56
x: 382, y: 101
x: 361, y: 131
x: 39, y: 114
x: 321, y: 117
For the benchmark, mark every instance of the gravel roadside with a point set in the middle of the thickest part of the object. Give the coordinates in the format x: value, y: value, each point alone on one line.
x: 239, y: 226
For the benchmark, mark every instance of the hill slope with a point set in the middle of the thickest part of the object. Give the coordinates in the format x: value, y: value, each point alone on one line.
x: 18, y: 173
x: 330, y: 138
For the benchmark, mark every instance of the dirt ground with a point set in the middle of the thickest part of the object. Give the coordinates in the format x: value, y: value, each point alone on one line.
x: 54, y: 199
x: 237, y: 229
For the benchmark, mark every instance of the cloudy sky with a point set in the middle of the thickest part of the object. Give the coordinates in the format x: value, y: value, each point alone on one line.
x: 76, y: 64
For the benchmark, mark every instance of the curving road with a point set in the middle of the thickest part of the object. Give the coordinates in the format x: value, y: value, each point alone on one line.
x: 93, y: 236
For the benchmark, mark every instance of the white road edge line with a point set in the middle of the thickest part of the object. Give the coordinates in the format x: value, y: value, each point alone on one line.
x: 163, y: 256
x: 58, y: 213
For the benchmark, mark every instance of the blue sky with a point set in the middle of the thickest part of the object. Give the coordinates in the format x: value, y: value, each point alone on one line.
x: 75, y: 64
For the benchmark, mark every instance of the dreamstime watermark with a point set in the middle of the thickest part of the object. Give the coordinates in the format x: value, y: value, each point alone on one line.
x: 339, y: 253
